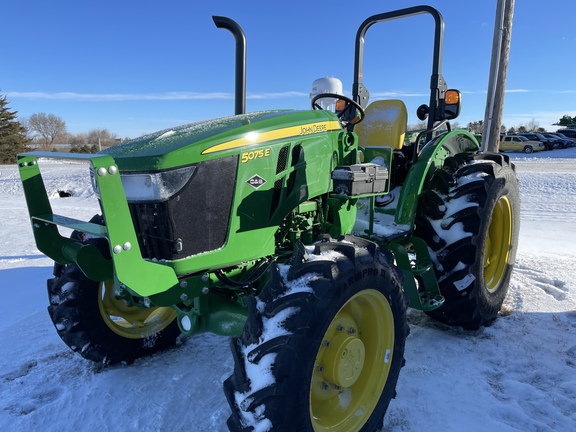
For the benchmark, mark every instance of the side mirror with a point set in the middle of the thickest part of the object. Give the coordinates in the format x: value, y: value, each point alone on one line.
x: 449, y: 107
x: 452, y: 104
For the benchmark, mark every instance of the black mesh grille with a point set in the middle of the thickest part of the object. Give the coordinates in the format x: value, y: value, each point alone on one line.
x: 282, y: 158
x: 193, y: 221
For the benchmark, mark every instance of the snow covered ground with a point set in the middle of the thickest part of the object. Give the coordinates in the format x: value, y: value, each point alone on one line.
x: 517, y: 375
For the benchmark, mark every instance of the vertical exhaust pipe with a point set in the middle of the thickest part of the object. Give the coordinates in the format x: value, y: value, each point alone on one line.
x: 240, y: 69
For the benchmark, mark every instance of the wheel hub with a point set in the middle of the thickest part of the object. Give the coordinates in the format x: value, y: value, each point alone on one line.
x: 131, y: 322
x: 345, y: 357
x: 498, y: 244
x: 352, y: 363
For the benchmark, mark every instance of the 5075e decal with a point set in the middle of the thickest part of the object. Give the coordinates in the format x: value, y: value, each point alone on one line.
x: 255, y: 154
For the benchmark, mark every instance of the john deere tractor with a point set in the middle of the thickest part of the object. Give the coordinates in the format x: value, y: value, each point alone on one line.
x: 303, y: 235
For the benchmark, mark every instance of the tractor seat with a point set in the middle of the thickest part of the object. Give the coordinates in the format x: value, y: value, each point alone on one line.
x: 384, y: 124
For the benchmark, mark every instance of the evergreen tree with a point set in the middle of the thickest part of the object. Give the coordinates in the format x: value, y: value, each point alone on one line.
x: 567, y: 121
x: 12, y: 134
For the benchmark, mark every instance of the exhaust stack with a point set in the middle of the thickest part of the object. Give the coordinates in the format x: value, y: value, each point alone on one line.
x: 240, y: 69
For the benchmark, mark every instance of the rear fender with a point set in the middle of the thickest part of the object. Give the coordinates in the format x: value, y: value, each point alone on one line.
x: 431, y: 156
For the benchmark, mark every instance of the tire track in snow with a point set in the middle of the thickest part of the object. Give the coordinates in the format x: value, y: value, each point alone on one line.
x: 526, y: 274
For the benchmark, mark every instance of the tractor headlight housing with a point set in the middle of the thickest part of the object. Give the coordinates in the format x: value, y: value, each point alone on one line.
x: 148, y: 187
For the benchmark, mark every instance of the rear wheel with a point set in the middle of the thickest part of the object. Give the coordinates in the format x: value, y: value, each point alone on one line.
x: 93, y: 322
x: 469, y: 217
x: 323, y: 351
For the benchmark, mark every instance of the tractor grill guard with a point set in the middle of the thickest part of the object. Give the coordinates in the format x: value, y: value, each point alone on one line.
x: 174, y: 228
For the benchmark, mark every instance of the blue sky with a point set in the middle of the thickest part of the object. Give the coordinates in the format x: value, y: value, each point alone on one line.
x: 135, y: 67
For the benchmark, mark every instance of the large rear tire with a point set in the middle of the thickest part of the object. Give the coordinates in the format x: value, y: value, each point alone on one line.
x: 100, y: 327
x: 470, y: 217
x: 323, y: 351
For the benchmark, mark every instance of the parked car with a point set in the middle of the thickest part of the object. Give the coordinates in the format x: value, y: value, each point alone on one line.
x: 562, y: 141
x: 562, y: 135
x: 520, y: 143
x: 570, y: 133
x: 549, y: 143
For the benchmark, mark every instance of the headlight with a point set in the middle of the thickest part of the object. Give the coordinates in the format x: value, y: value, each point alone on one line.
x: 158, y: 186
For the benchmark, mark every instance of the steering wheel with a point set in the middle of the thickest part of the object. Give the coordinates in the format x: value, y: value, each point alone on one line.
x: 345, y: 115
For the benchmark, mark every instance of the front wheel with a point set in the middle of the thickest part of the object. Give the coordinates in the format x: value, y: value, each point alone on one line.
x: 322, y: 351
x: 470, y: 217
x: 528, y: 149
x: 102, y: 328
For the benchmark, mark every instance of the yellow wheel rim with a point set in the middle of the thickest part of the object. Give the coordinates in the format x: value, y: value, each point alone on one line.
x: 131, y: 322
x: 498, y: 244
x: 352, y: 364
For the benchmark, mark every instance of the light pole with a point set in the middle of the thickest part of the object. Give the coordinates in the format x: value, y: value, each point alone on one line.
x: 497, y: 79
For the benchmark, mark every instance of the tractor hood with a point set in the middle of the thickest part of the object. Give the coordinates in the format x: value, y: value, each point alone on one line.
x: 211, y: 139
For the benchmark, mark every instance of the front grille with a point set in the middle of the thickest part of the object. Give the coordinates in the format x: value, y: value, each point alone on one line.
x: 193, y: 221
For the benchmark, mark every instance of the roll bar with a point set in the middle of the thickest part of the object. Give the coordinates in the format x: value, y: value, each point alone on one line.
x: 437, y: 84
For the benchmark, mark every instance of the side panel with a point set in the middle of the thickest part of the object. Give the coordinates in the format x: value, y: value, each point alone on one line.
x: 272, y: 180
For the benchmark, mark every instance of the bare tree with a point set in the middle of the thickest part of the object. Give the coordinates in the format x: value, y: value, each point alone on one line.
x: 476, y: 127
x: 417, y: 126
x: 47, y: 126
x: 532, y: 125
x: 77, y: 139
x: 101, y: 138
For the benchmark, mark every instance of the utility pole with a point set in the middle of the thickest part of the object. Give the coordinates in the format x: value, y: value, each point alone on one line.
x: 497, y: 79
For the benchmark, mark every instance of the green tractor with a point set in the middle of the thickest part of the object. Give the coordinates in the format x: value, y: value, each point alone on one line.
x: 303, y: 235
